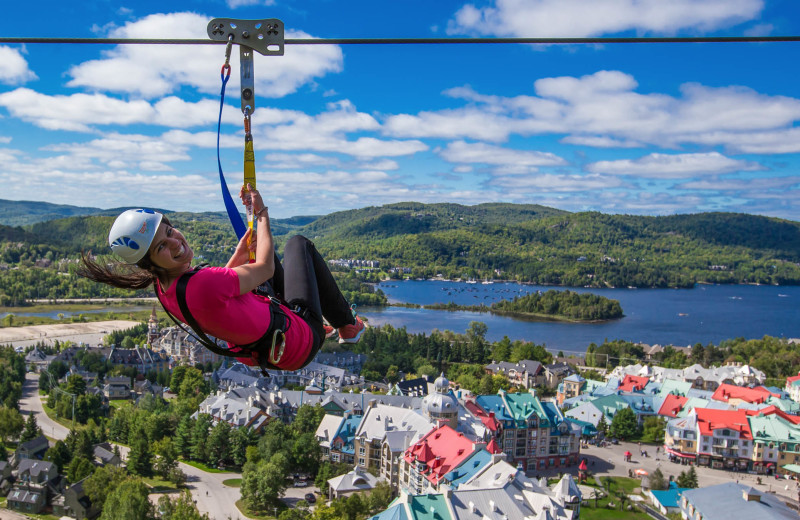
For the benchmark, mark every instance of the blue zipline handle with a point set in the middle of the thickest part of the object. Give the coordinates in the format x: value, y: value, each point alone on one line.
x: 230, y: 206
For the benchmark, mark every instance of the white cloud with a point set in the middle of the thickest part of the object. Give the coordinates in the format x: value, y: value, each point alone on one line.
x: 677, y: 166
x: 125, y: 150
x: 113, y: 188
x: 512, y: 161
x: 234, y: 4
x: 555, y: 183
x: 748, y: 186
x: 468, y: 122
x: 597, y: 141
x: 604, y: 110
x: 80, y: 112
x: 584, y: 18
x: 156, y: 70
x: 13, y: 67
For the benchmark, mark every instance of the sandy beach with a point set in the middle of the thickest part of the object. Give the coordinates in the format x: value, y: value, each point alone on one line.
x: 90, y: 333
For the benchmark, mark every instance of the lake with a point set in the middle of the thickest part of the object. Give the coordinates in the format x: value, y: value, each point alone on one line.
x: 705, y: 314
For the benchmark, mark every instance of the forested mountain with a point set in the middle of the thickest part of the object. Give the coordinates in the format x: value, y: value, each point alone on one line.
x: 535, y: 244
x: 22, y: 212
x: 526, y: 243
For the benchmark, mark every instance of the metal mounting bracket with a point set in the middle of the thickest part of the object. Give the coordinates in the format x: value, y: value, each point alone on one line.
x: 247, y: 80
x: 263, y: 36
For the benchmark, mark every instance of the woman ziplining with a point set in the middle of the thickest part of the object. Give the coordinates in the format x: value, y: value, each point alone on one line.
x: 229, y: 303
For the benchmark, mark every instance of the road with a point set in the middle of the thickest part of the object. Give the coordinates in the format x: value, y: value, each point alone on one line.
x: 208, y: 491
x: 609, y: 460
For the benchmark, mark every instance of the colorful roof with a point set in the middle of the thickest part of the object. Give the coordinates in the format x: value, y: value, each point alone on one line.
x: 488, y: 419
x: 672, y: 405
x: 726, y: 392
x: 471, y: 466
x: 522, y: 405
x: 633, y: 383
x: 441, y: 450
x: 494, y: 404
x: 673, y: 386
x: 793, y: 380
x: 429, y: 507
x: 709, y: 420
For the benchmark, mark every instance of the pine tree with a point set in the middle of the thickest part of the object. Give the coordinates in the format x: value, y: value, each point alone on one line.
x: 691, y: 478
x: 140, y: 458
x: 31, y: 430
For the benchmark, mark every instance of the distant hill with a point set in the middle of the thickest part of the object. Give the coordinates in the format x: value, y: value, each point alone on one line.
x: 527, y: 243
x: 24, y: 212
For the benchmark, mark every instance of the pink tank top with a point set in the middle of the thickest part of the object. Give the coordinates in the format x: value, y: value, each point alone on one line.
x: 213, y: 298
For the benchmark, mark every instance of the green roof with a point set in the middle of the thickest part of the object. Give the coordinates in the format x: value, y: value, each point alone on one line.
x: 429, y: 507
x: 794, y: 468
x: 672, y: 386
x: 521, y: 405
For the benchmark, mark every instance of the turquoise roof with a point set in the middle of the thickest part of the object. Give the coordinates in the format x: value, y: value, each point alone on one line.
x: 672, y: 386
x: 467, y: 469
x: 494, y: 403
x: 394, y: 512
x: 524, y: 404
x: 428, y: 507
x: 610, y: 405
x: 347, y: 431
x: 670, y: 497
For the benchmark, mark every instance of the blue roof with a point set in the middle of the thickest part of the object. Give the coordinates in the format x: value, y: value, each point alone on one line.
x: 468, y: 468
x: 494, y: 403
x: 396, y: 512
x: 726, y: 501
x: 347, y: 431
x: 670, y: 497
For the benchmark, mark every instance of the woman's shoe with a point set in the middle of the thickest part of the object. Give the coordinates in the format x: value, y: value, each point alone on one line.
x: 351, y: 333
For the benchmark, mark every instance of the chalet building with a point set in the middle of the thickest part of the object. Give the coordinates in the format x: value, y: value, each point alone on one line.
x: 425, y: 464
x: 117, y: 388
x: 378, y: 420
x: 37, y: 482
x: 74, y: 503
x: 557, y: 372
x: 415, y: 387
x: 33, y: 449
x: 346, y: 360
x: 532, y: 433
x: 142, y: 359
x: 524, y: 374
x: 336, y: 437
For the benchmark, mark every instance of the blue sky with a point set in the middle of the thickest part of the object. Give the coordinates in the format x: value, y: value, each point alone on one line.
x: 646, y: 129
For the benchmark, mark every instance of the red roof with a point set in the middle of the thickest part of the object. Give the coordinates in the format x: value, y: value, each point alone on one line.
x: 488, y: 420
x: 633, y: 383
x: 725, y: 392
x: 494, y: 448
x: 792, y: 379
x: 442, y: 450
x: 709, y: 420
x: 774, y: 410
x: 672, y: 405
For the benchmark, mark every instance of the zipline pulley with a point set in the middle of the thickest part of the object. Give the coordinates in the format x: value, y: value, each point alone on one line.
x: 267, y: 38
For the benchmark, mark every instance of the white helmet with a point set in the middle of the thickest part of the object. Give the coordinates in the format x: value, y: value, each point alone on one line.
x: 132, y: 233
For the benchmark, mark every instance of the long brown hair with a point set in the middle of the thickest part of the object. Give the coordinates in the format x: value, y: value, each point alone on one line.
x: 140, y: 275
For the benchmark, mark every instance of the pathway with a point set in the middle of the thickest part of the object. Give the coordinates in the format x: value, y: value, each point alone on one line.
x: 207, y: 489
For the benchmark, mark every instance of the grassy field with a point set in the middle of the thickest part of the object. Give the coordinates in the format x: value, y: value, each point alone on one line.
x: 203, y: 467
x: 603, y: 512
x: 250, y: 514
x: 159, y: 485
x: 233, y: 482
x: 51, y: 413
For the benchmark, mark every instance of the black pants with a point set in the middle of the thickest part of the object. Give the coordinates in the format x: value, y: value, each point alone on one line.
x: 304, y: 281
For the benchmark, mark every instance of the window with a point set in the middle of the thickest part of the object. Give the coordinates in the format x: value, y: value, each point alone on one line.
x: 362, y: 450
x: 361, y: 461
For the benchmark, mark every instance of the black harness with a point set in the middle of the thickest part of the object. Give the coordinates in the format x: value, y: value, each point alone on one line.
x: 267, y: 351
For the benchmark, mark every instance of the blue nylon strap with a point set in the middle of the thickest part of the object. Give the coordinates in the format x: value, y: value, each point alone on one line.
x: 230, y: 206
